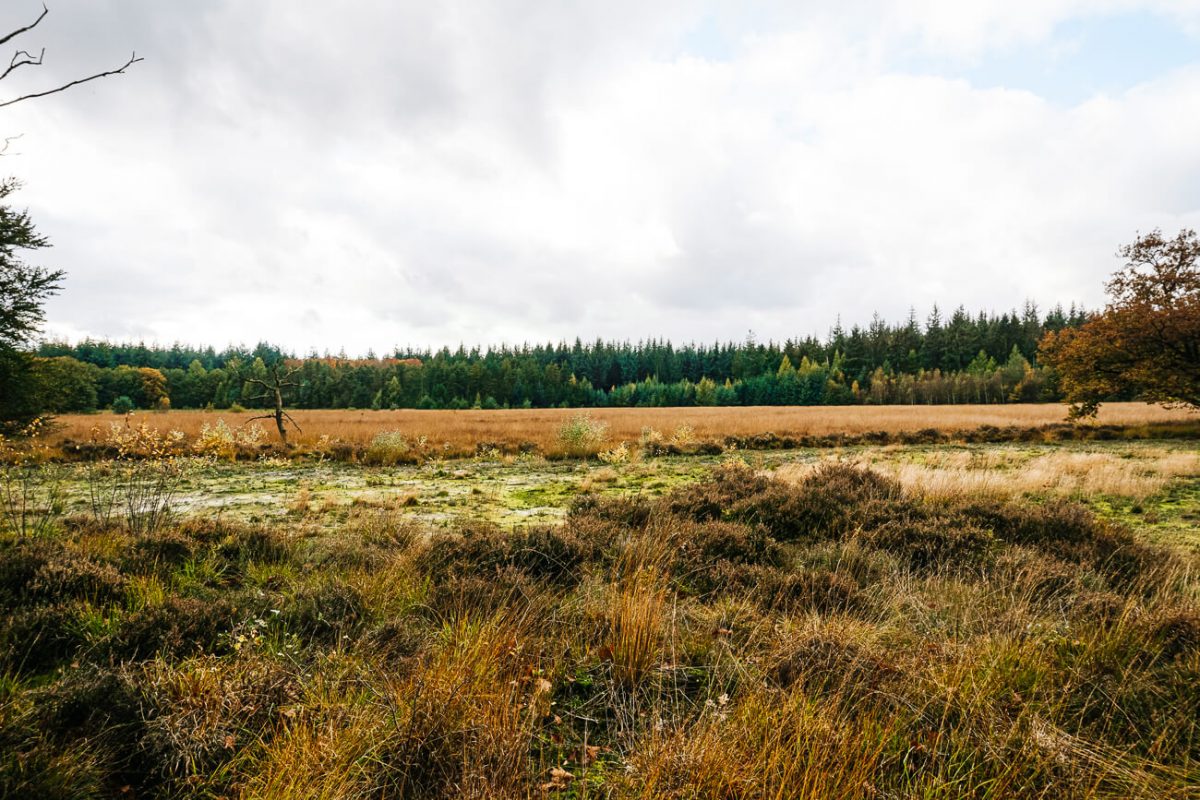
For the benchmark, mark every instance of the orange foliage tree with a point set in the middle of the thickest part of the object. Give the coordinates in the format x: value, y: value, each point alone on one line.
x: 1146, y: 342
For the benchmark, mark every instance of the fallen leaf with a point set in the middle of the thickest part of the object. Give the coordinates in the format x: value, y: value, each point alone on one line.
x: 559, y: 780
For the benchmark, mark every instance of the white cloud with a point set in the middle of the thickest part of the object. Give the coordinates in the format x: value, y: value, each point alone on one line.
x: 374, y: 174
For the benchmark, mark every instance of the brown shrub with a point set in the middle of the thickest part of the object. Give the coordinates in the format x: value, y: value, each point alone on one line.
x: 631, y: 512
x: 483, y: 594
x: 76, y: 578
x: 326, y: 612
x: 827, y: 504
x: 177, y: 627
x: 1071, y: 532
x: 39, y: 638
x: 161, y: 550
x: 933, y: 543
x: 555, y: 555
x: 827, y: 664
x: 1174, y: 633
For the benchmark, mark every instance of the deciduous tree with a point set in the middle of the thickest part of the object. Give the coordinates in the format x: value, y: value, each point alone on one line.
x: 1146, y: 342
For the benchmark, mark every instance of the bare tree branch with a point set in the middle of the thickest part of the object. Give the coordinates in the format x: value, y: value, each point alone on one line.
x: 133, y: 59
x: 29, y: 27
x: 18, y: 61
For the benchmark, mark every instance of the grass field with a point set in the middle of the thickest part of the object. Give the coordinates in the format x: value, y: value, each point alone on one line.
x: 1004, y: 620
x: 460, y: 432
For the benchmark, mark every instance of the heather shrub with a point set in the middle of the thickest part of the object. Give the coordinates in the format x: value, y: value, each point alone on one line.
x: 71, y: 577
x: 178, y: 627
x: 833, y: 663
x: 325, y: 613
x: 259, y: 544
x: 1173, y: 634
x: 555, y: 555
x: 467, y: 596
x: 933, y: 543
x: 38, y: 638
x: 161, y: 551
x: 630, y: 512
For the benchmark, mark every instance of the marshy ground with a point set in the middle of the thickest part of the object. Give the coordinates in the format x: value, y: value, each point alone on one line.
x: 1152, y: 485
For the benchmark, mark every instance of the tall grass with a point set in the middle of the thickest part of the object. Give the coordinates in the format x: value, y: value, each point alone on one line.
x: 996, y: 473
x: 461, y: 432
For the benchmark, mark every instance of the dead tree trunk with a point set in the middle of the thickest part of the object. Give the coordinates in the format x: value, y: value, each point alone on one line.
x: 273, y: 390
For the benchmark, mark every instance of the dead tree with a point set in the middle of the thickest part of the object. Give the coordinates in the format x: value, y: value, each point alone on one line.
x: 273, y: 390
x: 26, y: 58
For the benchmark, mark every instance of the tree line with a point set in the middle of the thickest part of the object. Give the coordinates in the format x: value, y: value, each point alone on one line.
x: 963, y: 358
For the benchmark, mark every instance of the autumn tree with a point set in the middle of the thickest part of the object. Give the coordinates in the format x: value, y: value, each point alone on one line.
x: 1146, y: 342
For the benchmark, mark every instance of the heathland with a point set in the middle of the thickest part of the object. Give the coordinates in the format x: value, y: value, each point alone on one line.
x: 348, y: 435
x: 1009, y: 612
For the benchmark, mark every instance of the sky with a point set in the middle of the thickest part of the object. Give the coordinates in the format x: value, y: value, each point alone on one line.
x: 369, y: 175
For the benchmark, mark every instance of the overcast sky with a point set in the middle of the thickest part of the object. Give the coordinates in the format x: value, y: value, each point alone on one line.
x: 371, y: 174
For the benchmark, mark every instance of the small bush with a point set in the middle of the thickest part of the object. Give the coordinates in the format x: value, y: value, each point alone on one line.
x: 582, y: 435
x: 20, y: 561
x: 817, y: 590
x: 555, y: 555
x: 630, y: 512
x: 160, y: 552
x: 829, y: 664
x: 179, y: 627
x: 707, y: 554
x: 1174, y: 634
x: 76, y: 578
x: 40, y: 638
x: 470, y: 596
x: 259, y: 544
x: 122, y: 405
x: 388, y: 449
x: 933, y: 543
x: 325, y: 613
x: 827, y: 504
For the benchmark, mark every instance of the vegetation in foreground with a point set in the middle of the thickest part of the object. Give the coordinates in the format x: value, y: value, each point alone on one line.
x: 830, y: 635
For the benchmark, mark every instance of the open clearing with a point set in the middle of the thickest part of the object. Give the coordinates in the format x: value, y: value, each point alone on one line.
x: 459, y: 432
x: 1154, y: 484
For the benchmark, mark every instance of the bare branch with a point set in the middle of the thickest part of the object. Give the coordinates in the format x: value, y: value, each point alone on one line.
x: 133, y: 59
x: 18, y: 61
x: 29, y: 27
x: 289, y: 419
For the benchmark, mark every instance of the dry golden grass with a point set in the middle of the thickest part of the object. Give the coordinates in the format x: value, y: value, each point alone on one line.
x: 1006, y: 473
x: 461, y: 431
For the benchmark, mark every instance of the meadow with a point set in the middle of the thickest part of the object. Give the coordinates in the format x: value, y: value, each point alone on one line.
x: 458, y: 433
x: 933, y: 620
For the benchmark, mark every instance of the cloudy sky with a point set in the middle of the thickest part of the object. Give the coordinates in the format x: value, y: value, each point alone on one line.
x: 371, y: 174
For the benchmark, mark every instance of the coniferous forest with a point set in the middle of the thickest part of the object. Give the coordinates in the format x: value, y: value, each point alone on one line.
x: 960, y: 358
